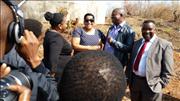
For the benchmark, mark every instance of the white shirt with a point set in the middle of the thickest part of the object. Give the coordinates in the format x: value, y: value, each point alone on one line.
x: 142, y: 64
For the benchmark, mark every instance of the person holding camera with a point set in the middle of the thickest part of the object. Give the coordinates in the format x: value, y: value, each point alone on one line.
x: 43, y: 86
x: 13, y: 58
x: 25, y: 93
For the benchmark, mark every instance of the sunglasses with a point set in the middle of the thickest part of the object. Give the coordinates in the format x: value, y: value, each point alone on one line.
x: 87, y: 20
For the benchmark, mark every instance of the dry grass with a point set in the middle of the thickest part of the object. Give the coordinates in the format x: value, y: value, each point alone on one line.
x: 161, y: 11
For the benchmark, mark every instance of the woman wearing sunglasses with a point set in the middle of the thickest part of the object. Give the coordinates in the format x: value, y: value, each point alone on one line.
x: 87, y: 37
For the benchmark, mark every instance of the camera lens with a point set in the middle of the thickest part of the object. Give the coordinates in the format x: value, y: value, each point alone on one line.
x: 3, y: 91
x: 15, y: 77
x: 5, y: 94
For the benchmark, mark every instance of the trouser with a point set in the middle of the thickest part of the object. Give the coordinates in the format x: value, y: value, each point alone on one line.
x: 140, y: 90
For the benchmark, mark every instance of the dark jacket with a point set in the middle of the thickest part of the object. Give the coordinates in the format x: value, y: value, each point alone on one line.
x: 55, y: 50
x: 44, y: 87
x: 123, y: 43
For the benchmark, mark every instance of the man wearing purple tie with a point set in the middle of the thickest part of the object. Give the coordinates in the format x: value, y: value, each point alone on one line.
x: 151, y: 65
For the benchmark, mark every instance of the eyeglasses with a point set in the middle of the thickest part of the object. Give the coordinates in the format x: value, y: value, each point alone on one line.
x: 87, y: 20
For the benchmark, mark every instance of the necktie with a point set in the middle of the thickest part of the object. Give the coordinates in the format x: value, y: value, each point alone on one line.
x: 138, y: 58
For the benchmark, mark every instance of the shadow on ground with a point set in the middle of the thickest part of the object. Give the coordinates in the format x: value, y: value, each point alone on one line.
x: 167, y: 97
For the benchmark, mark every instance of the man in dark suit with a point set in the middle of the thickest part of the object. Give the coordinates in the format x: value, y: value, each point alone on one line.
x: 120, y: 37
x: 151, y: 65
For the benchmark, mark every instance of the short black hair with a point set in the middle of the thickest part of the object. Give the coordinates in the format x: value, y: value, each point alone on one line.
x: 33, y: 25
x: 89, y: 14
x: 92, y: 76
x: 149, y: 21
x: 121, y: 11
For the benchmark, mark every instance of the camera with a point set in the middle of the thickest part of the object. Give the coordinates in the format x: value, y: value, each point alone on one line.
x: 15, y: 77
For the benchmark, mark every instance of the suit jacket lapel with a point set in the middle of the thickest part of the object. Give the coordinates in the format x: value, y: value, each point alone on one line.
x: 153, y: 46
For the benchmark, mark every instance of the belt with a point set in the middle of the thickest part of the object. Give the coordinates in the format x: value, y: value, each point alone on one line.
x: 138, y: 77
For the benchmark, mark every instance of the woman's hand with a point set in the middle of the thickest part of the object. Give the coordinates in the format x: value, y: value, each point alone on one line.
x: 96, y: 47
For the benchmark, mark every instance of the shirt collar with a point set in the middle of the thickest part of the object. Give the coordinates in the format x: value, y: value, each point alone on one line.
x: 120, y: 25
x: 151, y: 40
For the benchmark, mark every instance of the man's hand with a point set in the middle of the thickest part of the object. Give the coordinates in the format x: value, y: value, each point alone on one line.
x: 24, y: 92
x: 28, y: 49
x: 110, y: 39
x: 4, y: 70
